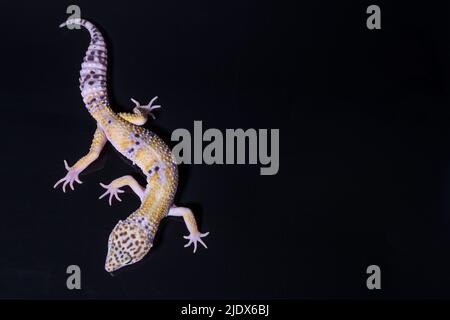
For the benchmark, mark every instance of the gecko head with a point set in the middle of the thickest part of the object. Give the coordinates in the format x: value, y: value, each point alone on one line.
x: 128, y: 243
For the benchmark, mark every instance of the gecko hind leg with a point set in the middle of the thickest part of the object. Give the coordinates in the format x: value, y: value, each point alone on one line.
x: 189, y: 219
x: 146, y: 109
x: 113, y: 189
x: 98, y: 142
x: 140, y: 113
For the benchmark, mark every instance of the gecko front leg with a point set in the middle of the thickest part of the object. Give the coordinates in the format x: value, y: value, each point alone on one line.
x: 189, y: 219
x: 98, y: 142
x: 113, y: 189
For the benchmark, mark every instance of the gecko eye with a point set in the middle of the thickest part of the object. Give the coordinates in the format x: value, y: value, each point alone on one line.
x: 129, y: 258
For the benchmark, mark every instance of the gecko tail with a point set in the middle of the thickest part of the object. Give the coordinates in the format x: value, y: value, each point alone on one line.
x: 81, y: 22
x: 77, y: 21
x: 93, y: 69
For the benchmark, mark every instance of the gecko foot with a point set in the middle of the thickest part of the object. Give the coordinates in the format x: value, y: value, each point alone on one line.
x: 147, y: 109
x: 112, y: 191
x: 71, y: 176
x: 194, y: 238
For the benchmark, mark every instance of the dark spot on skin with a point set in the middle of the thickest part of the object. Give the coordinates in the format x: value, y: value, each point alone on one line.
x: 92, y: 71
x: 137, y: 135
x: 156, y: 168
x: 133, y: 236
x: 91, y: 83
x: 131, y: 150
x: 137, y: 142
x: 125, y: 240
x: 90, y: 58
x: 109, y: 121
x: 150, y: 171
x: 137, y: 242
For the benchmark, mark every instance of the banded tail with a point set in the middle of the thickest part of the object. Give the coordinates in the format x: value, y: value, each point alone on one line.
x: 93, y: 69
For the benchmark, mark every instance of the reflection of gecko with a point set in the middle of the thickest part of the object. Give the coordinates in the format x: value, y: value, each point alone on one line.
x: 131, y: 239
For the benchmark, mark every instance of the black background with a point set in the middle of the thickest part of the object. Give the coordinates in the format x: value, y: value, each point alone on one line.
x: 364, y: 161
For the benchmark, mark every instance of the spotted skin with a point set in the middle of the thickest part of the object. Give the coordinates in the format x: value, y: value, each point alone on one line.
x: 127, y: 244
x: 131, y: 239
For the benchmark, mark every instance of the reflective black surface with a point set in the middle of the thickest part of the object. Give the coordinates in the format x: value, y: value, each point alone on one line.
x: 364, y: 161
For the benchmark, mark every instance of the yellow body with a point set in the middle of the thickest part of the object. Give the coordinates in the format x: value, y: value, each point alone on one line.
x: 148, y: 153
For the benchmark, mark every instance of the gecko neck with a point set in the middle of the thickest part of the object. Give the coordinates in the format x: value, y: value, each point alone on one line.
x: 149, y: 222
x: 153, y: 209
